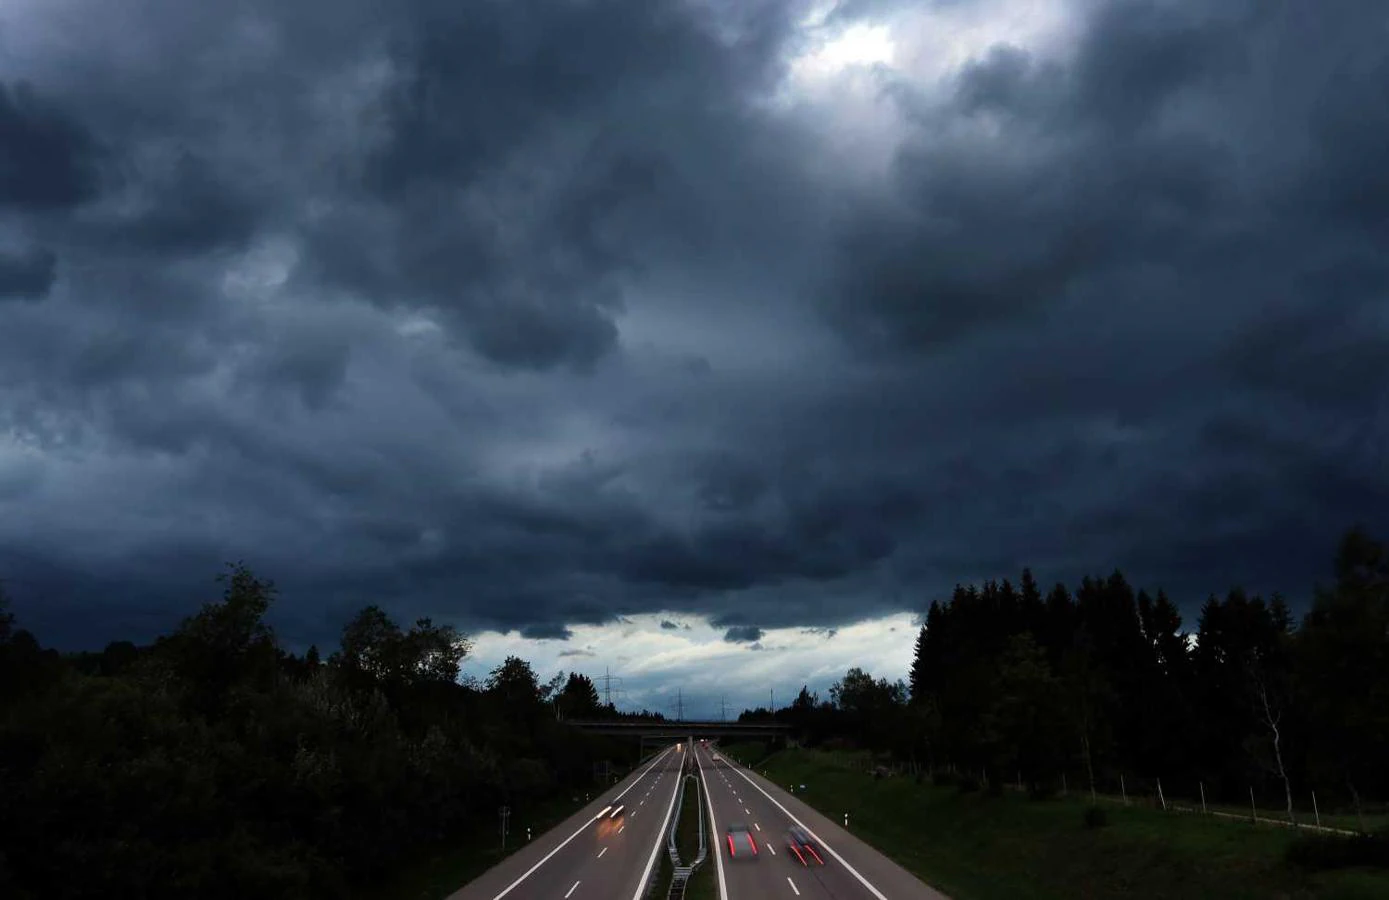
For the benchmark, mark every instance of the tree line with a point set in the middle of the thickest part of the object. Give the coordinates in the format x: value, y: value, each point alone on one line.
x: 1008, y: 682
x: 213, y: 763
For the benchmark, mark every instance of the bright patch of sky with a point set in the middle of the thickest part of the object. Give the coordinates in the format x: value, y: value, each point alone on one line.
x: 692, y: 661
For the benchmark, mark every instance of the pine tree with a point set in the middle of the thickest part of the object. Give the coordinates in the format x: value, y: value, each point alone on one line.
x: 919, y: 680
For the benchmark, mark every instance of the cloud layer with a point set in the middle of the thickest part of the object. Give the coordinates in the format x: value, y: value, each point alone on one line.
x: 752, y: 315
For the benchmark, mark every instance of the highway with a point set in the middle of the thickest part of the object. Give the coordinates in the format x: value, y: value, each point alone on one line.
x: 852, y: 870
x: 591, y: 856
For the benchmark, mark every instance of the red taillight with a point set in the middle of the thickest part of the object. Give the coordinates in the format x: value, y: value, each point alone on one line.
x: 814, y: 854
x: 753, y: 841
x: 731, y: 851
x: 796, y: 850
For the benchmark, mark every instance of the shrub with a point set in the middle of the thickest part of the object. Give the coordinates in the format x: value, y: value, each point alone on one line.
x: 968, y: 784
x: 1095, y: 817
x: 945, y: 778
x: 1318, y: 852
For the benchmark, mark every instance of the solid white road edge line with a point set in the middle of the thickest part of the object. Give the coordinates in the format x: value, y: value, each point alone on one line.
x: 842, y: 861
x: 656, y: 847
x: 531, y: 871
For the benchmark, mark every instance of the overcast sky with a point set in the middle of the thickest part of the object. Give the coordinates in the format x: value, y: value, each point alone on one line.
x: 756, y: 316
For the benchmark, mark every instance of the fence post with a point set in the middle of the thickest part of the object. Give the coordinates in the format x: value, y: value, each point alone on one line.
x: 1203, y: 797
x: 1252, y: 808
x: 1161, y: 799
x: 1315, y: 812
x: 1123, y: 791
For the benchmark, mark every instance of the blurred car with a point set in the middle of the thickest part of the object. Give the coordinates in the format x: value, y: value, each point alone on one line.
x: 611, y: 820
x: 741, y: 843
x: 804, y: 846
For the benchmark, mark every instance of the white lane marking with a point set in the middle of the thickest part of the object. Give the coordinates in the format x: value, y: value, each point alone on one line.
x: 531, y: 871
x: 576, y: 885
x: 771, y: 848
x: 747, y: 811
x: 788, y: 881
x: 621, y: 828
x: 755, y: 825
x: 656, y: 847
x: 821, y: 841
x: 714, y: 834
x: 601, y: 852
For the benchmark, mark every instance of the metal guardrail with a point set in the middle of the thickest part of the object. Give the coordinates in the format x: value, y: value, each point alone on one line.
x: 682, y: 873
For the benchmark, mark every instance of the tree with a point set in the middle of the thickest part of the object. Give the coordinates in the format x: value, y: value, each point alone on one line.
x: 1028, y: 715
x: 920, y: 661
x: 514, y: 682
x: 6, y: 617
x: 374, y: 648
x: 579, y: 697
x: 1343, y: 668
x: 227, y: 643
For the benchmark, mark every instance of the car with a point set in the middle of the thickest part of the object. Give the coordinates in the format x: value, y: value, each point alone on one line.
x: 801, y: 843
x: 611, y: 820
x: 741, y: 843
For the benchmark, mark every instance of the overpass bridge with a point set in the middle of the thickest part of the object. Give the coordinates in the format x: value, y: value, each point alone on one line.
x: 675, y: 730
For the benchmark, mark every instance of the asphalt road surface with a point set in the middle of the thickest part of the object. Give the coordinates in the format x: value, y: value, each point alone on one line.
x: 852, y: 870
x: 591, y: 856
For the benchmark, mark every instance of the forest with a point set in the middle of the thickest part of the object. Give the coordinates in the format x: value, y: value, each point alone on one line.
x: 213, y: 763
x: 1104, y: 682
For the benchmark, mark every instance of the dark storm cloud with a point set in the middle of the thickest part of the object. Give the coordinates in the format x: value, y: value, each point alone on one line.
x: 48, y: 161
x: 559, y: 88
x: 742, y: 634
x: 524, y: 316
x: 668, y: 625
x: 27, y: 276
x: 545, y: 632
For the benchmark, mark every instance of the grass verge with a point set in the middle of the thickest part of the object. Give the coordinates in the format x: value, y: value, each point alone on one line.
x: 978, y: 847
x: 445, y: 869
x: 439, y: 871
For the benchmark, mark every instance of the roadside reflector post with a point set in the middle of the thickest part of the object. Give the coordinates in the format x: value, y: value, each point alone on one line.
x: 1123, y: 791
x: 1254, y: 810
x: 1314, y: 809
x: 846, y: 820
x: 528, y: 832
x: 1161, y: 799
x: 1203, y: 797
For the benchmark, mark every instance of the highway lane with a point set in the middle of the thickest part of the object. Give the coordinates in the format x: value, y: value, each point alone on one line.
x: 853, y: 870
x: 589, y: 856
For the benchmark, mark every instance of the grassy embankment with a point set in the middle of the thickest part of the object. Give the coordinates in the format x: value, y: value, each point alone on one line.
x: 978, y: 847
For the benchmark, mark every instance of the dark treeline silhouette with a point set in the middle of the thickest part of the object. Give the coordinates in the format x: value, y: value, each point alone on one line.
x: 215, y: 764
x: 1009, y: 683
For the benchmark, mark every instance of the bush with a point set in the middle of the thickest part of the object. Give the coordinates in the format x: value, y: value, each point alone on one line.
x: 1318, y: 852
x: 1096, y: 817
x: 945, y: 778
x: 1043, y: 790
x: 968, y: 784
